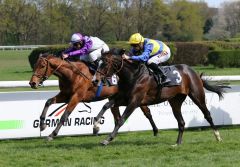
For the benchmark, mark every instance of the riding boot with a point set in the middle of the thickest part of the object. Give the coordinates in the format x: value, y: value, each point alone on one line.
x: 157, y: 70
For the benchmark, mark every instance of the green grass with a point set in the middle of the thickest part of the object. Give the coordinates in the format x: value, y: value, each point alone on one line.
x: 29, y: 89
x: 14, y: 65
x: 214, y: 71
x: 128, y: 149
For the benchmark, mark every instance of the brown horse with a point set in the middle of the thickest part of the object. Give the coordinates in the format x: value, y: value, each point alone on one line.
x: 75, y: 84
x: 137, y: 87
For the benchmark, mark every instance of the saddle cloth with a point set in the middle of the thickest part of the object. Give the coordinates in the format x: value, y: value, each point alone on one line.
x: 173, y: 74
x: 109, y: 81
x: 112, y: 81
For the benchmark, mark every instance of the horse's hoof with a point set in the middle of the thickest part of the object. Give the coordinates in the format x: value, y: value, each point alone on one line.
x: 43, y: 127
x: 49, y: 138
x: 155, y: 133
x: 174, y: 145
x: 217, y: 135
x: 95, y: 131
x: 105, y: 142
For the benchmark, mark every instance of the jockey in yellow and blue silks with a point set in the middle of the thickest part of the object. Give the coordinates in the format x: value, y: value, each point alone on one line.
x: 153, y: 52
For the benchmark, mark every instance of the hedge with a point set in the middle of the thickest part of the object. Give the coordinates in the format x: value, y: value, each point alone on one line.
x: 186, y: 53
x: 222, y: 45
x: 54, y: 49
x: 190, y: 53
x: 224, y: 58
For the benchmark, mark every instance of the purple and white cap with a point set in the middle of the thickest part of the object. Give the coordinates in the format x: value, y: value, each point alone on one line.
x: 76, y: 37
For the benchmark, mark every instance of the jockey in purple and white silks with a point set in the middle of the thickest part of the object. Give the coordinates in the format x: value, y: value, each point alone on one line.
x: 86, y: 48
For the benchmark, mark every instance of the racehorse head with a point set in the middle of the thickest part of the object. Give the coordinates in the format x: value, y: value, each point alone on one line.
x: 110, y: 63
x: 42, y: 70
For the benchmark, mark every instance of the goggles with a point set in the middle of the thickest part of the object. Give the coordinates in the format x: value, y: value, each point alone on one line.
x: 134, y: 45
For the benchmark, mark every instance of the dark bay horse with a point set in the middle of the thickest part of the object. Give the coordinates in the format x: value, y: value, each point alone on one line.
x: 137, y: 87
x: 75, y: 84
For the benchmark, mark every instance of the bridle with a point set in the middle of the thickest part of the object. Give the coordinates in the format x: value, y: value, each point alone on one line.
x: 45, y: 76
x: 115, y: 69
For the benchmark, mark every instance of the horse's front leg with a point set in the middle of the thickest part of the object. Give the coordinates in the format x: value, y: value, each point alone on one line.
x: 60, y: 98
x: 100, y: 114
x: 70, y: 107
x: 44, y: 112
x: 128, y: 111
x: 63, y: 119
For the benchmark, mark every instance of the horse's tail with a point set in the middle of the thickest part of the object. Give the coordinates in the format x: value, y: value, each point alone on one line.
x: 218, y: 88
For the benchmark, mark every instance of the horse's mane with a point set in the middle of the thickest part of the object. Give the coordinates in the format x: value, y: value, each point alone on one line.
x: 77, y: 63
x: 47, y: 55
x: 118, y: 52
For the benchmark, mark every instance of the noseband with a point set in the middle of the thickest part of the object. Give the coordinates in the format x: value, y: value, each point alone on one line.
x: 45, y: 76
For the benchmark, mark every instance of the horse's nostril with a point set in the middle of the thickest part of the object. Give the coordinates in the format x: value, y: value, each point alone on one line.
x: 32, y: 84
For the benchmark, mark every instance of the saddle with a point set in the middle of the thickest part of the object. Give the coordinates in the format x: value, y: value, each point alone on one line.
x: 171, y: 72
x: 109, y: 81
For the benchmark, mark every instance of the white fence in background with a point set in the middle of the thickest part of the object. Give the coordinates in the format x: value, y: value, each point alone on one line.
x: 21, y: 47
x: 10, y: 84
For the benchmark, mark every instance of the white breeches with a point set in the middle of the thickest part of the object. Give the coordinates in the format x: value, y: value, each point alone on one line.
x: 94, y: 55
x: 160, y: 58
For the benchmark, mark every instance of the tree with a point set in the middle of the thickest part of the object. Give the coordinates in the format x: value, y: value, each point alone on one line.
x: 91, y: 17
x: 232, y: 17
x: 15, y: 25
x: 188, y: 19
x: 55, y: 21
x: 121, y: 19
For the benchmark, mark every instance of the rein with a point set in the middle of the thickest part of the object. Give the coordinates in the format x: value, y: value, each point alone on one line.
x: 45, y: 77
x: 120, y: 66
x: 82, y: 74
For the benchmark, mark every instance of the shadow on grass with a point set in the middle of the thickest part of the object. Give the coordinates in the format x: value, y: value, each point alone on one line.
x: 205, y: 68
x: 17, y: 72
x: 67, y: 143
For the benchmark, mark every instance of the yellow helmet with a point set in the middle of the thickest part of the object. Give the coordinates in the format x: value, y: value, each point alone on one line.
x: 136, y: 38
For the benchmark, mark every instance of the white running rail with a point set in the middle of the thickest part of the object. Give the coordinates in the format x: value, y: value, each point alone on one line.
x: 11, y: 84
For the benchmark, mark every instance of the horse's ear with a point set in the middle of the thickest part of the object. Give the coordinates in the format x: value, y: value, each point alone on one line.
x: 122, y: 51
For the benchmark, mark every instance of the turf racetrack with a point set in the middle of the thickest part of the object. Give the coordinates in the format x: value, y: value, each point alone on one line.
x: 199, y: 148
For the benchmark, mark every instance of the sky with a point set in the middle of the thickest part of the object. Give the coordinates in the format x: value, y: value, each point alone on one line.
x: 215, y: 3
